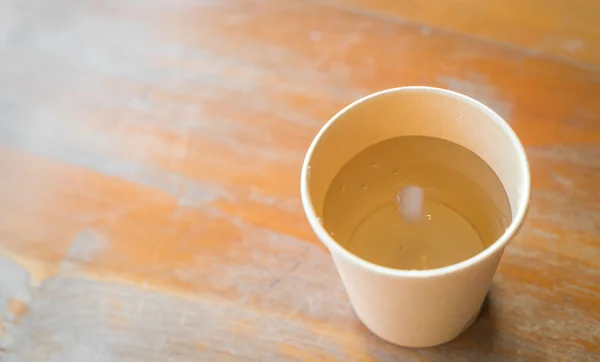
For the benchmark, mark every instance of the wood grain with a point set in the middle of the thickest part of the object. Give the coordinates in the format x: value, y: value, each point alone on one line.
x: 149, y: 195
x: 566, y: 30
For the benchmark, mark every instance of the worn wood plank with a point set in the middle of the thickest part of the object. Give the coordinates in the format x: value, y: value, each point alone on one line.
x: 563, y: 29
x: 151, y: 151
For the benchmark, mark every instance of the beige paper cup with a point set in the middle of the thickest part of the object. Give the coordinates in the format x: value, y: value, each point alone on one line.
x: 416, y: 308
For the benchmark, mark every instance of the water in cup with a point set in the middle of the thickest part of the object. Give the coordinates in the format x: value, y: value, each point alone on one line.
x: 416, y: 202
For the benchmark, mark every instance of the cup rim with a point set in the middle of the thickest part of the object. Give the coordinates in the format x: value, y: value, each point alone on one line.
x: 500, y: 243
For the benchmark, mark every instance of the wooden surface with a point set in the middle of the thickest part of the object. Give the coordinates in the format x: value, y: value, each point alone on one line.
x: 567, y: 30
x: 149, y: 195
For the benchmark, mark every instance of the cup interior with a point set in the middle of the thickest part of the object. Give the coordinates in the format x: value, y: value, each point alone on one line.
x: 415, y: 111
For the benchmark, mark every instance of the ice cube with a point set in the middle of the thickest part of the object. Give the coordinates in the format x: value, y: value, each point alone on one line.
x: 410, y: 202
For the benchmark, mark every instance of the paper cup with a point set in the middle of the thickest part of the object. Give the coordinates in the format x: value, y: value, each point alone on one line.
x: 416, y: 308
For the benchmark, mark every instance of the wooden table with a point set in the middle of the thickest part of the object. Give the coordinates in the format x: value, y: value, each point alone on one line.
x: 150, y: 155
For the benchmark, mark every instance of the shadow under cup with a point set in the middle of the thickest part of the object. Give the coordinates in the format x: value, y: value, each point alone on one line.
x: 416, y: 307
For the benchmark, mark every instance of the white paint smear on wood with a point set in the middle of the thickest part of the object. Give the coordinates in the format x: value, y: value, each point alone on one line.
x: 14, y: 286
x: 87, y: 244
x: 478, y: 86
